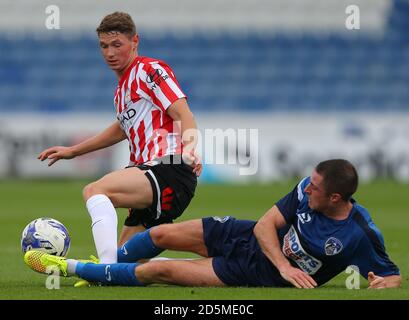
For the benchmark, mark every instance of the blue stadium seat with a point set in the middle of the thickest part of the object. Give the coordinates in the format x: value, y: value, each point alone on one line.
x: 220, y: 71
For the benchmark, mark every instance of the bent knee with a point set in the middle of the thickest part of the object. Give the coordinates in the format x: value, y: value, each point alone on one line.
x: 92, y: 189
x: 160, y: 235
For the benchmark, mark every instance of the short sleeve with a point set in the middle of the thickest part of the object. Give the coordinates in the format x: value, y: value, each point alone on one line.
x: 161, y: 84
x: 289, y: 204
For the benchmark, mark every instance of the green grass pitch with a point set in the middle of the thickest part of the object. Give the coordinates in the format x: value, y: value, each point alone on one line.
x: 23, y: 201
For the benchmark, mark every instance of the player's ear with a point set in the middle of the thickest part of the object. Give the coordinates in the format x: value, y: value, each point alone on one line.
x: 135, y: 41
x: 335, y: 197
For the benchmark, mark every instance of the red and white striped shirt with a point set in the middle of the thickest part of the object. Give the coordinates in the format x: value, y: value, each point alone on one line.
x: 146, y: 89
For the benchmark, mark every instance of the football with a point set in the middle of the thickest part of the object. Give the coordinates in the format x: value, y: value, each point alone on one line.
x: 46, y: 234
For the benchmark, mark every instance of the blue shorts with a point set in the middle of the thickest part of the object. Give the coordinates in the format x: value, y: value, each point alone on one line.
x: 237, y: 256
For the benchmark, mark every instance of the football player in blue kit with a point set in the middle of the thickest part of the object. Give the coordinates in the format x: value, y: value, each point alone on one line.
x: 307, y: 238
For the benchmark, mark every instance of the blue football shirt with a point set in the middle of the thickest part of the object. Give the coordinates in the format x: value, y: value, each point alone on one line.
x: 324, y: 247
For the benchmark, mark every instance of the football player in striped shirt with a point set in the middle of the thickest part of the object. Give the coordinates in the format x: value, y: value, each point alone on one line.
x: 153, y: 115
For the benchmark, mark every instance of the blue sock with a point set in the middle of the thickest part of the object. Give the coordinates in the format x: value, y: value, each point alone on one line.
x: 112, y: 274
x: 140, y: 246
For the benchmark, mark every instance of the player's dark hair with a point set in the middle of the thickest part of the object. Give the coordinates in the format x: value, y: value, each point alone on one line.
x: 117, y: 22
x: 340, y: 176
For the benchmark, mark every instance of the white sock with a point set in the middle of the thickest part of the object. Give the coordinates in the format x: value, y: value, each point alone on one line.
x: 71, y: 266
x: 104, y: 227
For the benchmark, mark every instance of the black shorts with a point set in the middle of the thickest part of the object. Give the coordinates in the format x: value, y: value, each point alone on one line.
x: 173, y: 184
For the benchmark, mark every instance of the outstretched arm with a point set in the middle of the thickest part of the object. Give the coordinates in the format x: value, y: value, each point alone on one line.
x: 378, y: 282
x: 266, y: 234
x: 106, y: 138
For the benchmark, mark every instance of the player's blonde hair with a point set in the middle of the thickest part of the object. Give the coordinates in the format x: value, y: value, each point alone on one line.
x: 117, y: 22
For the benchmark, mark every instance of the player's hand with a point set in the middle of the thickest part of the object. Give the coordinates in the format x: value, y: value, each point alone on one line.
x: 376, y: 282
x: 193, y: 160
x: 298, y: 278
x: 56, y: 153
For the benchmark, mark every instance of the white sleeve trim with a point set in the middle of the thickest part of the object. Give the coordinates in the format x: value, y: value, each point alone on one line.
x: 300, y: 190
